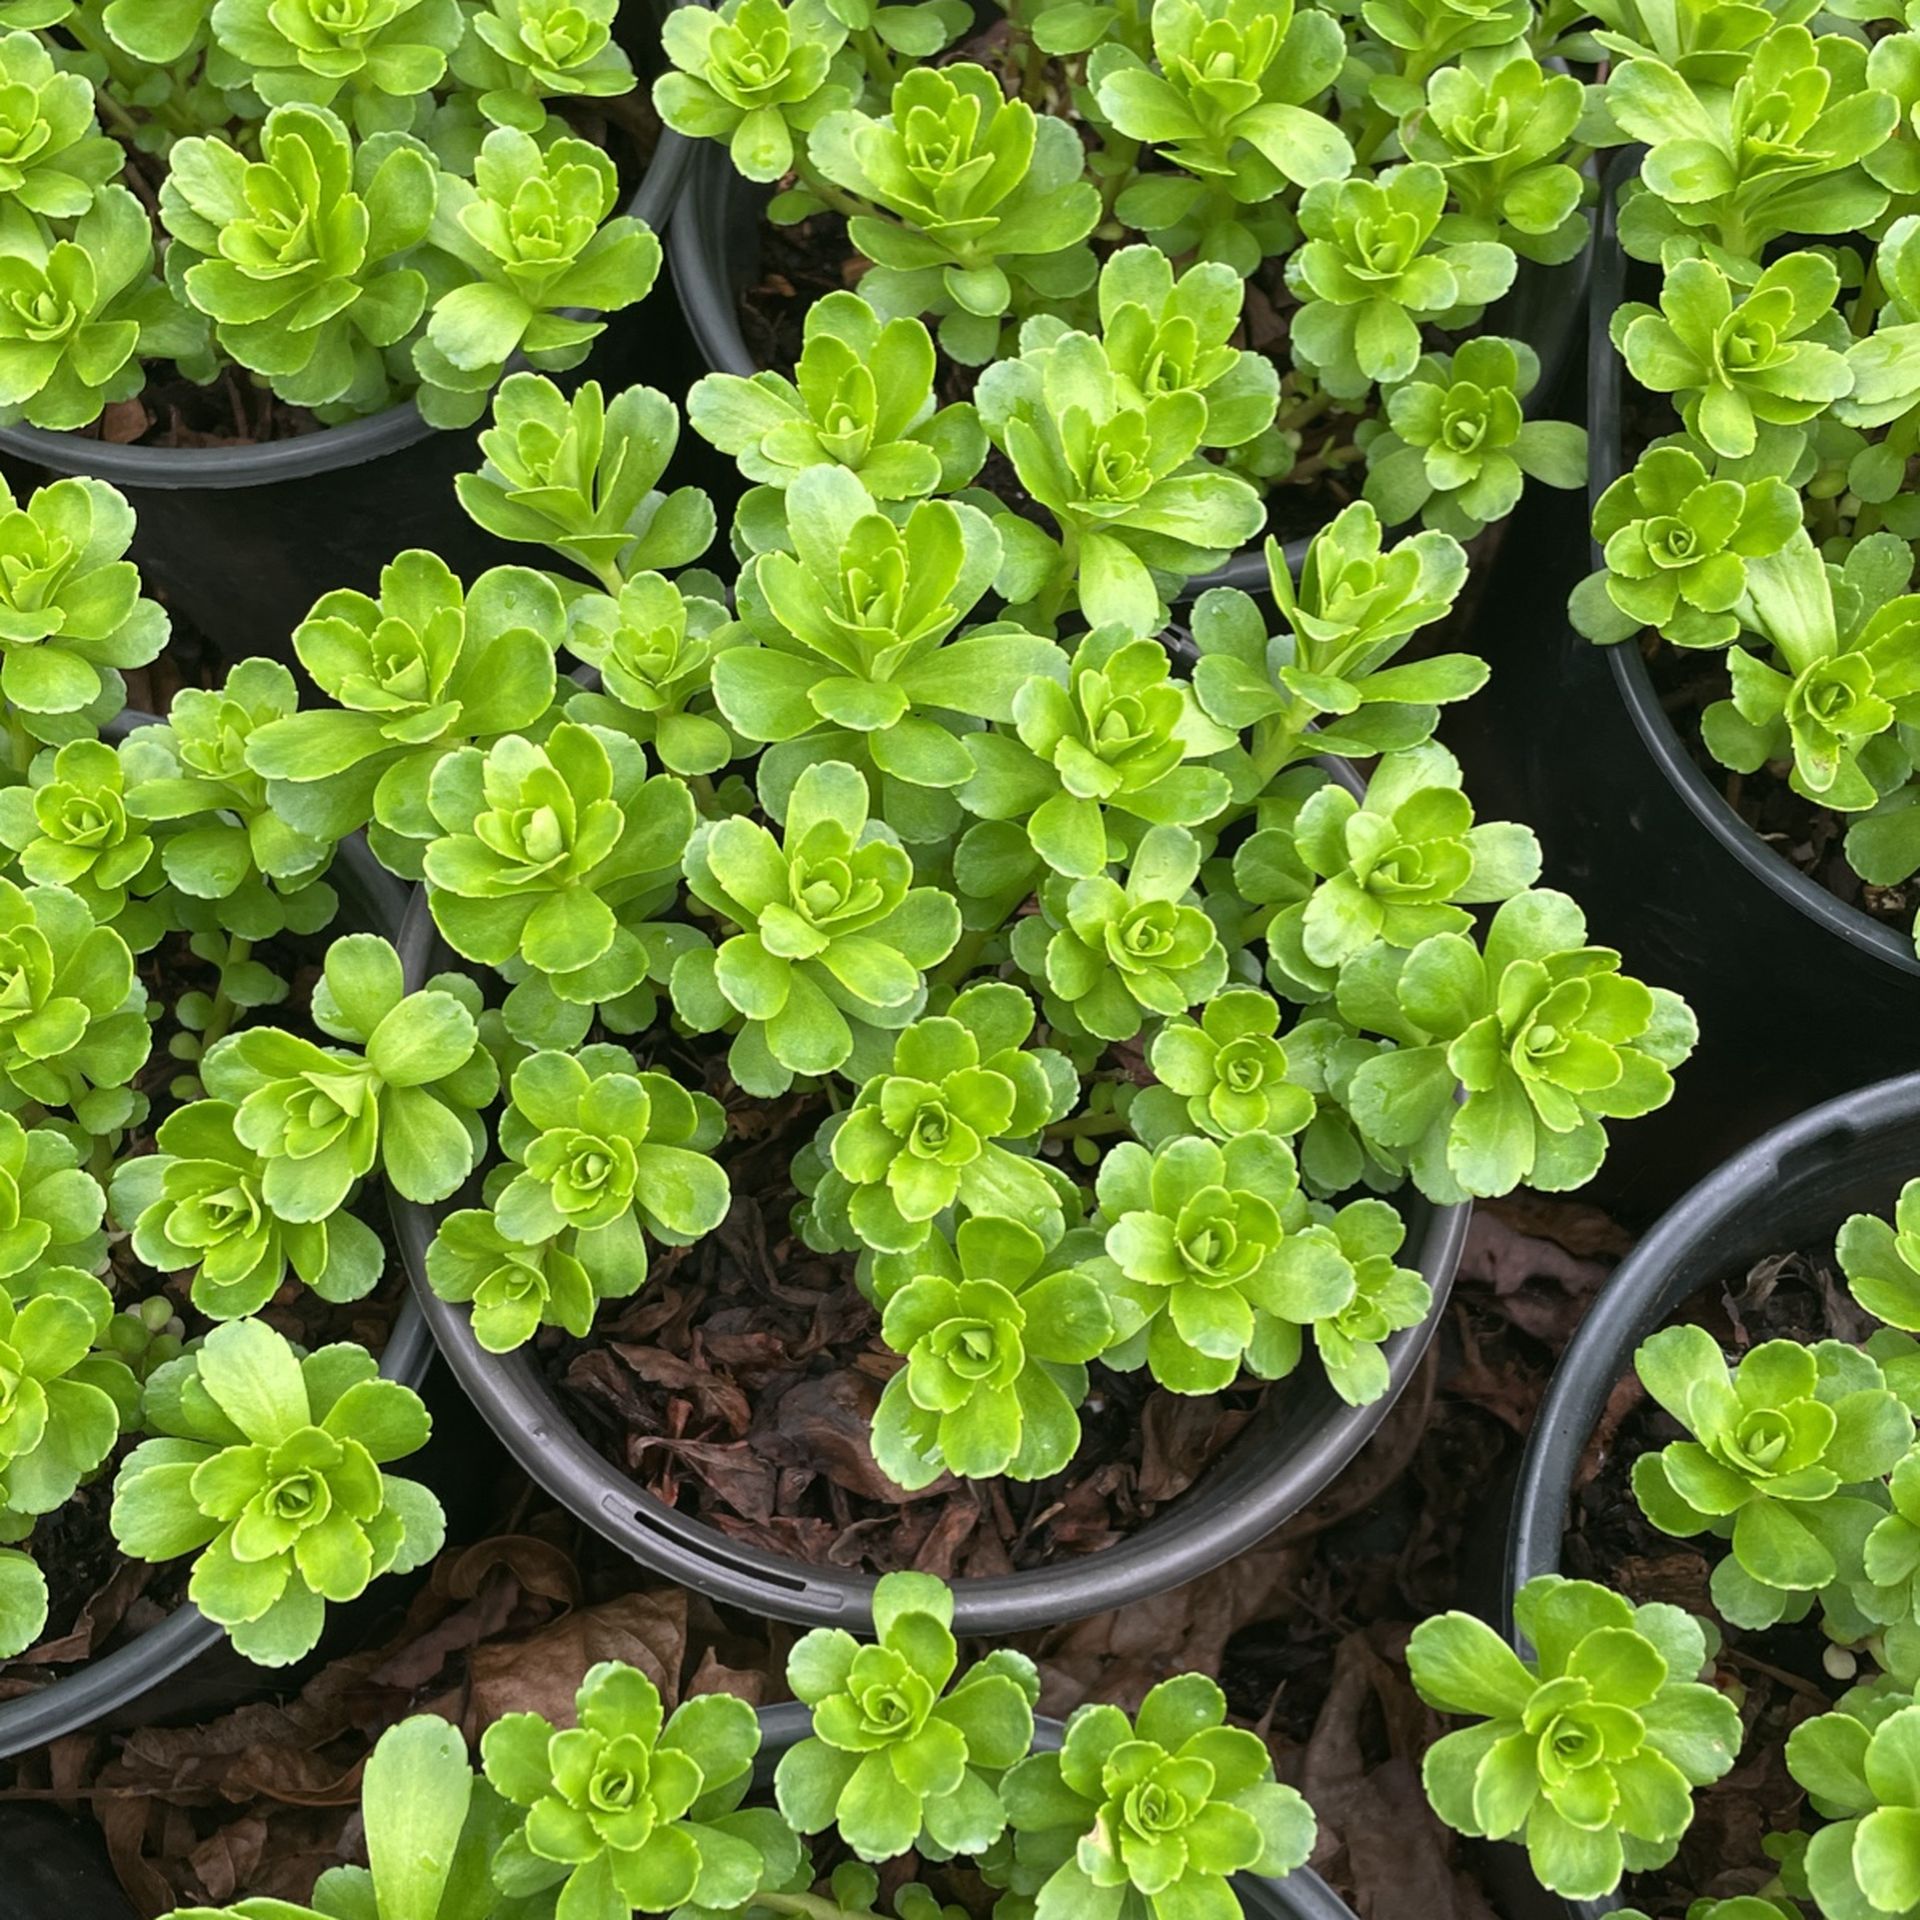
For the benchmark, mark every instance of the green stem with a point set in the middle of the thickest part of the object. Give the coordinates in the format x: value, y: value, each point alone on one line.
x: 221, y: 1018
x: 809, y: 1906
x: 1053, y: 596
x: 1303, y: 413
x: 879, y: 61
x: 1867, y: 308
x: 823, y: 189
x: 959, y: 963
x: 1276, y: 744
x: 1329, y: 461
x: 116, y: 116
x: 1033, y: 73
x: 1116, y: 180
x: 21, y: 745
x: 1374, y: 129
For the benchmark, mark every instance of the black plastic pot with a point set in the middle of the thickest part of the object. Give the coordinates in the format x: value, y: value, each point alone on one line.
x: 714, y: 250
x: 1302, y: 1895
x: 241, y: 541
x: 1799, y: 996
x: 185, y: 1664
x: 56, y: 1867
x: 1791, y: 1188
x: 1303, y: 1438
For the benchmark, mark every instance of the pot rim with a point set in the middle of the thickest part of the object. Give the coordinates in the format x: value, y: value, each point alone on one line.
x: 1636, y: 1299
x: 1242, y: 1497
x: 76, y: 1700
x: 1606, y: 463
x: 714, y: 323
x: 351, y: 443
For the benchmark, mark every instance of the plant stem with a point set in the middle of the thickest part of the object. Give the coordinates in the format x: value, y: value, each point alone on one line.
x: 959, y: 963
x: 1329, y: 461
x: 822, y: 188
x: 1302, y: 413
x: 21, y: 745
x: 221, y: 1018
x: 1053, y: 596
x: 1867, y: 308
x: 809, y: 1906
x: 1033, y: 73
x: 879, y: 61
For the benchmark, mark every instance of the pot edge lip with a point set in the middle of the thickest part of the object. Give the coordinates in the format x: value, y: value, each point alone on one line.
x: 79, y: 1699
x: 330, y: 449
x: 1628, y: 1301
x: 716, y: 334
x: 1606, y: 455
x: 520, y: 1408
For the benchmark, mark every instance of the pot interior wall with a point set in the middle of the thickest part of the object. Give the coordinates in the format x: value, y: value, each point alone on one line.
x: 1790, y: 1189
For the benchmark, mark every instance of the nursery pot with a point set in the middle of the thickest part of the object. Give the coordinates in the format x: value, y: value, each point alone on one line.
x: 1791, y: 1188
x: 1302, y: 1895
x: 57, y: 1868
x: 240, y: 541
x: 178, y: 1666
x: 1798, y: 995
x: 714, y: 252
x: 1297, y: 1444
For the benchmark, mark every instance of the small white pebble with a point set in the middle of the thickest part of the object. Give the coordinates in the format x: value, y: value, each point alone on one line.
x: 1839, y: 1663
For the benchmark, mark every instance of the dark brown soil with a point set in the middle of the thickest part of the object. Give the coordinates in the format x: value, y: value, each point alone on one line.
x: 1306, y: 1633
x: 1811, y: 836
x: 1777, y: 1676
x: 739, y: 1386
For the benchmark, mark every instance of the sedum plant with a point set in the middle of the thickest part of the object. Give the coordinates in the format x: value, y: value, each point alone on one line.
x: 549, y: 860
x: 268, y: 1468
x: 1209, y: 1270
x: 1543, y: 1033
x: 630, y: 1808
x: 400, y: 1094
x: 1106, y: 952
x: 1374, y: 266
x: 356, y: 205
x: 637, y: 1807
x: 1458, y: 447
x: 861, y: 397
x: 199, y: 1206
x: 996, y: 1327
x: 905, y: 1749
x: 1153, y: 1811
x: 829, y: 931
x: 942, y: 1127
x: 1136, y: 512
x: 596, y: 1151
x: 424, y: 667
x: 968, y: 203
x: 1590, y: 1752
x: 1777, y: 1445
